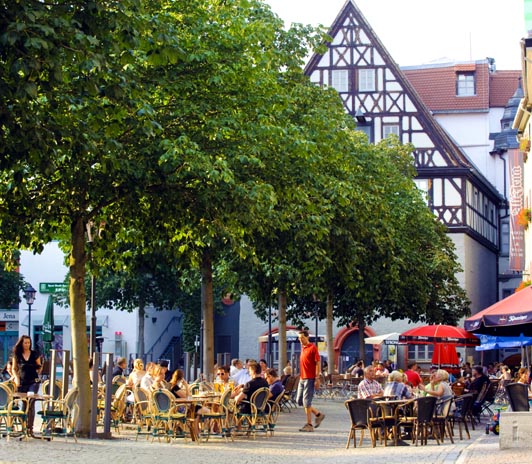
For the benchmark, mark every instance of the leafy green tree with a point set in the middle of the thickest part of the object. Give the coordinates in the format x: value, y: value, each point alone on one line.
x: 11, y: 284
x: 76, y: 120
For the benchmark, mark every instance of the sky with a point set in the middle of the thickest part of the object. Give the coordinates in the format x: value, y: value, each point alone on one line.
x: 419, y: 32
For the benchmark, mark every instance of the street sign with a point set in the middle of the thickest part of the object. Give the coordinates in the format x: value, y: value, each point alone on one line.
x: 52, y: 287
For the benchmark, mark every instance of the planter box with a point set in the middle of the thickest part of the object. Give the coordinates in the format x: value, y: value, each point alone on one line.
x: 515, y: 430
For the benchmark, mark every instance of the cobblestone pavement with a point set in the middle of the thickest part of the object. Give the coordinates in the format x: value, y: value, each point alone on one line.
x: 286, y: 446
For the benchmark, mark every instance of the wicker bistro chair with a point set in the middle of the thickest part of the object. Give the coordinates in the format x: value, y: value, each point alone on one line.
x: 56, y: 392
x: 274, y: 409
x: 258, y: 415
x: 59, y: 417
x: 219, y: 417
x: 169, y: 419
x: 13, y: 414
x: 518, y: 396
x: 361, y: 415
x: 142, y: 411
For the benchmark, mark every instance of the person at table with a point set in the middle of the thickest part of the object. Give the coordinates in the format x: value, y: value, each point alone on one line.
x: 159, y: 382
x: 26, y: 366
x: 412, y: 374
x: 395, y: 386
x: 244, y: 394
x: 178, y: 384
x: 369, y: 387
x: 243, y: 377
x: 236, y: 367
x: 147, y: 379
x: 136, y: 374
x: 356, y: 369
x: 274, y: 382
x: 119, y: 368
x: 263, y: 367
x: 381, y: 372
x: 438, y: 385
x: 7, y: 371
x: 479, y: 379
x: 223, y: 378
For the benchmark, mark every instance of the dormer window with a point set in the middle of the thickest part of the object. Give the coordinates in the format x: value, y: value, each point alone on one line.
x: 465, y: 84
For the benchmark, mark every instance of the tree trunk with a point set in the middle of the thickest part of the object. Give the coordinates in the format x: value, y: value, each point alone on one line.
x: 329, y: 335
x: 207, y: 312
x: 281, y: 303
x: 361, y: 334
x: 78, y: 325
x: 142, y: 318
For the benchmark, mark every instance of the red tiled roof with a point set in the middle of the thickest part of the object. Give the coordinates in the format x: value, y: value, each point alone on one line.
x: 437, y: 86
x: 503, y: 85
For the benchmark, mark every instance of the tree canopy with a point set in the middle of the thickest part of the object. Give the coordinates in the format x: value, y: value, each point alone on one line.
x: 189, y: 130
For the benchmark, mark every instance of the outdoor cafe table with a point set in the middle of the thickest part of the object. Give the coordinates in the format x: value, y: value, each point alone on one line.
x: 31, y: 409
x: 193, y: 400
x: 389, y: 408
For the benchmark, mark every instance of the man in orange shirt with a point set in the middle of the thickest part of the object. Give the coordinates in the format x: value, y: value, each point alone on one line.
x: 310, y: 370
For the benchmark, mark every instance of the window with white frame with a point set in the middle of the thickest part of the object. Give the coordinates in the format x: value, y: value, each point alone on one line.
x: 420, y: 352
x: 366, y: 80
x: 423, y: 185
x: 388, y: 129
x: 339, y: 80
x: 465, y: 84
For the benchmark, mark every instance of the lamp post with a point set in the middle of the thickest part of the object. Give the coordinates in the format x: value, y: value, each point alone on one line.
x: 316, y: 315
x: 29, y: 296
x: 92, y: 336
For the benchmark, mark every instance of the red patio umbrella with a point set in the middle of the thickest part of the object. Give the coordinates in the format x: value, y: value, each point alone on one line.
x: 427, y: 334
x: 445, y: 357
x: 445, y: 339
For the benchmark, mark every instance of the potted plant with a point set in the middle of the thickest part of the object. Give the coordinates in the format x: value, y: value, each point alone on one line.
x: 523, y: 217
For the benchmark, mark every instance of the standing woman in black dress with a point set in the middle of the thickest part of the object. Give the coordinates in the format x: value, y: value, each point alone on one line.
x: 26, y: 366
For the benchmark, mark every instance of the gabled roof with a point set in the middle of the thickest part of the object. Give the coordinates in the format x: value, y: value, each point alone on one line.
x: 368, y: 41
x: 455, y: 156
x: 436, y: 85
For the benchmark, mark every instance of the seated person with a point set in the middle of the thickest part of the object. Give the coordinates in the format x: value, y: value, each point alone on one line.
x: 381, y: 372
x: 369, y: 387
x: 222, y: 378
x: 178, y: 384
x: 412, y: 374
x: 395, y: 387
x: 245, y: 392
x: 275, y: 384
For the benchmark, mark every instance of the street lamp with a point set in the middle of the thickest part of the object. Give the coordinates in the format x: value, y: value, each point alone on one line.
x: 29, y: 296
x: 92, y: 330
x: 316, y: 315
